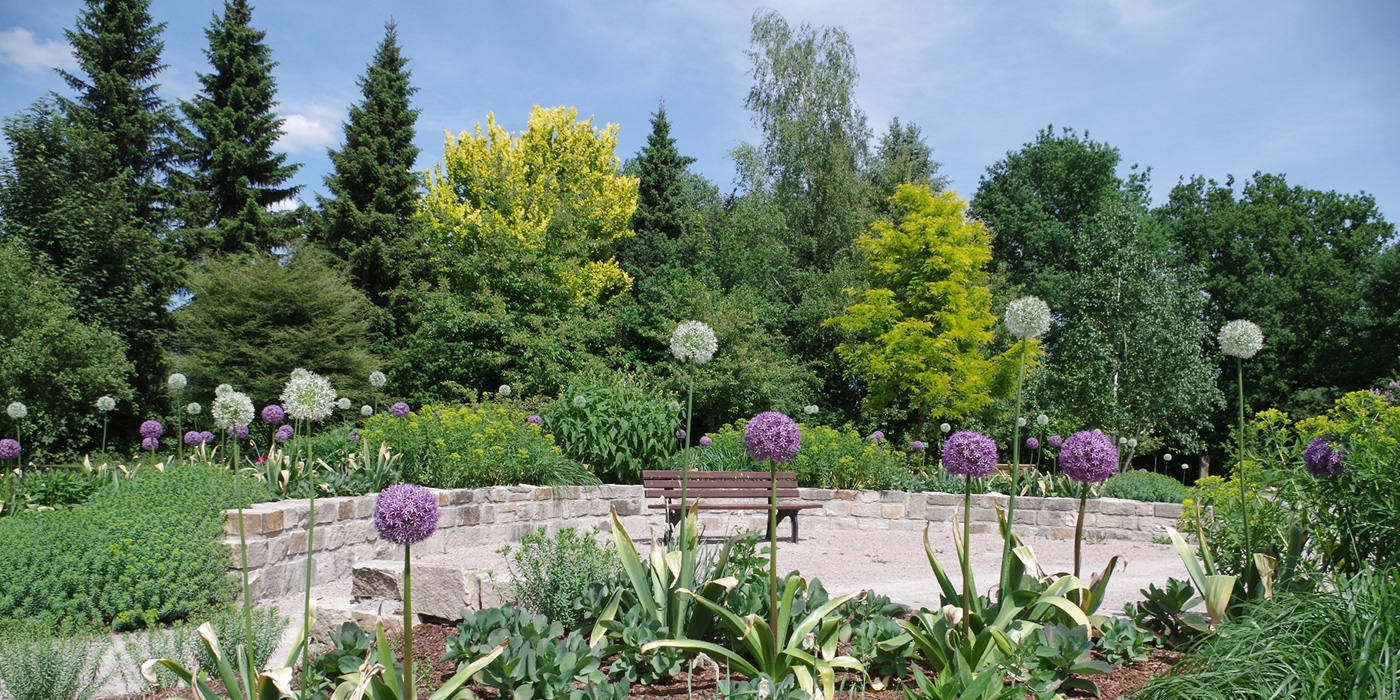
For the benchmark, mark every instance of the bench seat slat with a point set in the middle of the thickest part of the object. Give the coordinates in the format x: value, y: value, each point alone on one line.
x: 724, y: 490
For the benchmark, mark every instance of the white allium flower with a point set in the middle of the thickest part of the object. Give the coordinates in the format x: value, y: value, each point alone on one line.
x: 694, y: 341
x: 222, y: 389
x: 580, y: 401
x: 194, y: 408
x: 1122, y: 441
x: 1167, y: 457
x: 366, y: 410
x: 810, y: 409
x: 231, y: 408
x: 1027, y: 317
x: 1042, y: 420
x: 944, y: 427
x: 177, y: 381
x: 17, y: 410
x: 673, y: 406
x: 1240, y: 338
x: 343, y: 404
x: 1021, y: 422
x: 503, y: 390
x: 106, y: 403
x: 1133, y: 443
x: 308, y: 396
x: 377, y: 379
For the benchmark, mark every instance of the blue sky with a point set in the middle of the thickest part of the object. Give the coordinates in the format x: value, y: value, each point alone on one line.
x: 1309, y: 89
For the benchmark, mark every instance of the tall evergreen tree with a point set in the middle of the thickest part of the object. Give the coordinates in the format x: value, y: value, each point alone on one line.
x: 903, y: 158
x: 236, y: 174
x: 369, y: 219
x: 664, y: 213
x: 118, y: 47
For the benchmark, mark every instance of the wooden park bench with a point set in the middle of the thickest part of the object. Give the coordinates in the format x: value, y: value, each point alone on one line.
x: 709, y: 490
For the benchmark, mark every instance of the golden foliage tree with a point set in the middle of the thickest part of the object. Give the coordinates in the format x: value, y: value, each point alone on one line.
x: 922, y: 331
x: 551, y: 200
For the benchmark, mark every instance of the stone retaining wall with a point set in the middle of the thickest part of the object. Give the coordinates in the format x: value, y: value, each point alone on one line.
x: 345, y: 534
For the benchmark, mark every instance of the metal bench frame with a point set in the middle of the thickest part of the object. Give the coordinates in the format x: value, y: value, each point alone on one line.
x: 712, y: 490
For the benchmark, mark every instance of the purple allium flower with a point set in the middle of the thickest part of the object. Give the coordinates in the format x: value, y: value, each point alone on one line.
x: 1032, y: 443
x: 534, y: 420
x: 150, y: 444
x: 1089, y: 457
x: 283, y: 433
x: 272, y: 414
x: 9, y: 448
x: 399, y: 410
x: 207, y: 437
x: 406, y: 514
x: 238, y: 432
x: 970, y: 453
x: 1055, y: 441
x: 353, y: 437
x: 705, y: 441
x: 878, y: 436
x: 1323, y: 459
x: 772, y: 435
x: 917, y: 446
x: 192, y: 438
x: 152, y: 429
x: 680, y: 434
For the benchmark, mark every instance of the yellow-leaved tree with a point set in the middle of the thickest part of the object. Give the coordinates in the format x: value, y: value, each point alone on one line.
x: 921, y: 333
x: 535, y: 213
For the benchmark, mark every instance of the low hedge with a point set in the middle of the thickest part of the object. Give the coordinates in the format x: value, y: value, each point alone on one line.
x: 828, y: 459
x: 146, y: 550
x: 1145, y: 486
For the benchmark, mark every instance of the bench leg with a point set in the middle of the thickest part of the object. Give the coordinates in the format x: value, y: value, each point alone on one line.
x: 791, y: 515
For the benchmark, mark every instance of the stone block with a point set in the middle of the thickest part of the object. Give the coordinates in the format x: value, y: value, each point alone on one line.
x: 543, y: 493
x: 866, y: 510
x: 892, y: 511
x: 916, y: 507
x: 944, y: 499
x: 867, y: 496
x: 838, y: 508
x: 1117, y: 506
x: 440, y: 591
x: 1063, y: 504
x: 1167, y: 510
x: 893, y: 496
x: 1114, y: 522
x: 626, y: 506
x: 939, y: 514
x: 815, y: 494
x: 1062, y: 533
x: 845, y: 494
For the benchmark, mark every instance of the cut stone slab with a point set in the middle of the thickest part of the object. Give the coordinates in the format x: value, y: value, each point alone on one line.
x: 333, y: 612
x: 439, y: 590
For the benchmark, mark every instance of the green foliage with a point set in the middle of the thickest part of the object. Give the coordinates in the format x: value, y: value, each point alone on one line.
x: 56, y: 488
x: 617, y: 424
x: 231, y: 627
x: 921, y: 332
x: 349, y: 647
x: 177, y: 642
x: 903, y: 158
x: 1166, y: 613
x: 63, y: 203
x: 454, y: 447
x: 1300, y: 263
x: 1054, y: 659
x: 38, y: 662
x: 1128, y: 351
x: 1148, y: 487
x: 147, y: 550
x: 550, y: 572
x: 369, y: 220
x: 627, y: 634
x: 667, y: 230
x: 1123, y: 642
x: 54, y: 363
x: 253, y: 320
x: 830, y: 458
x: 1300, y: 645
x: 235, y: 173
x: 539, y: 661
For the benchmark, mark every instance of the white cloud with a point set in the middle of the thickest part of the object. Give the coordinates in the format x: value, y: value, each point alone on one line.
x: 18, y: 47
x: 313, y: 128
x: 284, y: 205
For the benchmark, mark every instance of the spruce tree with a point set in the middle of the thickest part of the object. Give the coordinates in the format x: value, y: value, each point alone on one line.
x: 236, y: 174
x: 663, y: 211
x: 369, y: 219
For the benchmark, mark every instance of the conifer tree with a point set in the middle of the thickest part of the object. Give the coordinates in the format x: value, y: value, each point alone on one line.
x: 236, y: 175
x: 118, y: 47
x: 369, y: 219
x: 663, y: 215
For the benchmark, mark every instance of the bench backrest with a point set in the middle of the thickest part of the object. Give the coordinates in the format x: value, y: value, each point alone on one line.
x: 710, y: 484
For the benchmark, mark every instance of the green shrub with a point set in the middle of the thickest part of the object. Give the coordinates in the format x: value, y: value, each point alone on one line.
x: 1145, y: 486
x: 616, y: 424
x: 38, y: 662
x: 828, y: 459
x: 452, y: 447
x: 147, y: 550
x: 232, y: 629
x: 550, y: 572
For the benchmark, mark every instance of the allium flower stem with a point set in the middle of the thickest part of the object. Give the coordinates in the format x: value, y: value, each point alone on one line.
x: 247, y: 603
x: 310, y: 546
x: 104, y: 432
x: 410, y: 687
x: 773, y: 550
x: 967, y: 553
x: 1079, y: 525
x: 1005, y: 581
x: 1244, y: 494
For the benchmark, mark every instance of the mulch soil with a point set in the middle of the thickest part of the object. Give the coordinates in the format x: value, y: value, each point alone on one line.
x: 430, y: 643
